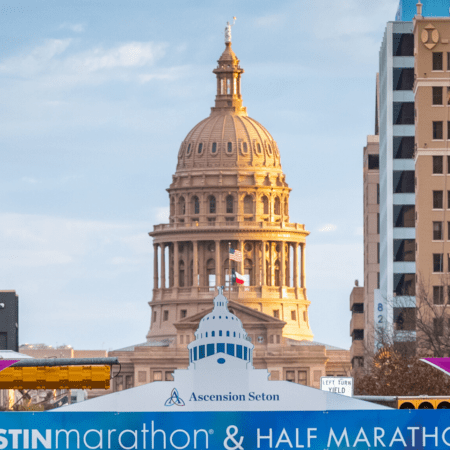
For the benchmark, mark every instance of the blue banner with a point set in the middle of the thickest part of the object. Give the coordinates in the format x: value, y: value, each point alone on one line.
x: 416, y: 429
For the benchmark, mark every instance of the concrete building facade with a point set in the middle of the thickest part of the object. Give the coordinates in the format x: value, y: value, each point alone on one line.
x: 396, y: 174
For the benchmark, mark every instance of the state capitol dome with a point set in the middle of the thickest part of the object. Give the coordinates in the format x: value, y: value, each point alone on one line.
x: 228, y: 137
x: 229, y: 213
x: 229, y: 192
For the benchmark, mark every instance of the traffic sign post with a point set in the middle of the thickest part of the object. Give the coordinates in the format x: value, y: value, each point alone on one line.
x: 337, y: 385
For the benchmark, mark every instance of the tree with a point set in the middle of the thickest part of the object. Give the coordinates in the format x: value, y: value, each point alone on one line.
x: 391, y: 373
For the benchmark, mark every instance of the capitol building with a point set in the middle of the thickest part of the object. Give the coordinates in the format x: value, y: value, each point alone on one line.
x: 229, y: 191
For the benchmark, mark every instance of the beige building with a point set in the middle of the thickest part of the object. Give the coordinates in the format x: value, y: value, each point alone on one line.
x: 432, y: 166
x: 362, y: 298
x: 229, y: 191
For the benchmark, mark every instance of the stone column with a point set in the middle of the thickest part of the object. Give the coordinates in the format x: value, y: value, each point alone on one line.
x: 303, y: 266
x: 218, y: 264
x: 271, y: 264
x: 296, y: 264
x: 163, y: 266
x: 282, y: 266
x: 264, y: 275
x: 256, y: 264
x: 155, y: 266
x: 176, y: 268
x: 195, y: 268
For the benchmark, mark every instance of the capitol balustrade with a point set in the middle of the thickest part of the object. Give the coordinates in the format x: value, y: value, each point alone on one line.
x: 229, y: 224
x: 207, y: 292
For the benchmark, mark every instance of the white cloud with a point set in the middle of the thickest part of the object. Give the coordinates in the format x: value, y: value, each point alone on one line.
x: 172, y: 73
x: 29, y: 240
x: 162, y: 214
x: 40, y: 59
x: 132, y: 54
x: 327, y: 228
x: 75, y: 27
x: 54, y: 63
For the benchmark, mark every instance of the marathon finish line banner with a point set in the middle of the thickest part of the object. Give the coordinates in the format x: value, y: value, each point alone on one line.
x: 416, y: 429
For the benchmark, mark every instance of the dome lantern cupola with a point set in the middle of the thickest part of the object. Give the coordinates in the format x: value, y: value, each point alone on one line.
x: 228, y: 73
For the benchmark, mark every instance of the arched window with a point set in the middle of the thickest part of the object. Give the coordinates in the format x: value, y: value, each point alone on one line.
x: 188, y: 151
x: 182, y: 206
x: 265, y: 202
x: 245, y: 148
x: 195, y: 205
x: 229, y: 147
x: 286, y: 211
x: 277, y: 206
x: 230, y: 204
x: 248, y: 204
x: 172, y: 207
x: 259, y: 148
x: 214, y: 147
x: 181, y: 274
x: 212, y: 204
x: 200, y: 147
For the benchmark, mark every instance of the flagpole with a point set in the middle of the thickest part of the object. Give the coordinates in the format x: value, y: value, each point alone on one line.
x: 229, y: 269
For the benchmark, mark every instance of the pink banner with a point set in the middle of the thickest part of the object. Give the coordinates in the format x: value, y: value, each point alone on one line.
x: 440, y: 363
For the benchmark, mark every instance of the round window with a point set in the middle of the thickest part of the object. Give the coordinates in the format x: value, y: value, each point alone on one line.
x: 211, y: 247
x: 260, y: 339
x: 248, y: 247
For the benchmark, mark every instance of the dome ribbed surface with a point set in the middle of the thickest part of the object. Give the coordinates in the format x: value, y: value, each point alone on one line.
x: 228, y: 140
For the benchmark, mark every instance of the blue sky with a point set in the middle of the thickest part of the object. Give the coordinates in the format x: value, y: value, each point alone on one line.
x: 95, y: 100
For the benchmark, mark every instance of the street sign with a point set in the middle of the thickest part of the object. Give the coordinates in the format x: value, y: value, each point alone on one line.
x: 337, y: 385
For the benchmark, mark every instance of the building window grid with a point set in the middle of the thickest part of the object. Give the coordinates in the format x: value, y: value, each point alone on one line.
x: 437, y: 95
x: 438, y: 61
x: 438, y: 165
x: 438, y: 199
x: 437, y: 130
x: 438, y: 295
x: 437, y: 231
x: 438, y: 262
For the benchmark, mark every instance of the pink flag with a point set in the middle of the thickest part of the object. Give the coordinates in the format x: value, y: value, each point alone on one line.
x: 440, y: 363
x: 4, y: 363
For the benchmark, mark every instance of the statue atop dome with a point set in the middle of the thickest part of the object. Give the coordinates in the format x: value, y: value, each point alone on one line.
x: 228, y: 31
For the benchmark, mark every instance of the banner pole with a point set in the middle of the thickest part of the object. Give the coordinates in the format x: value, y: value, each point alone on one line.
x: 229, y: 270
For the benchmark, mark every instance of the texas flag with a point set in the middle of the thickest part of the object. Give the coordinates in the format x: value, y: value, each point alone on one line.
x: 237, y: 277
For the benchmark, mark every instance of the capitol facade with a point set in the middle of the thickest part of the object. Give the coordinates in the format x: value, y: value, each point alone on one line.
x: 229, y: 191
